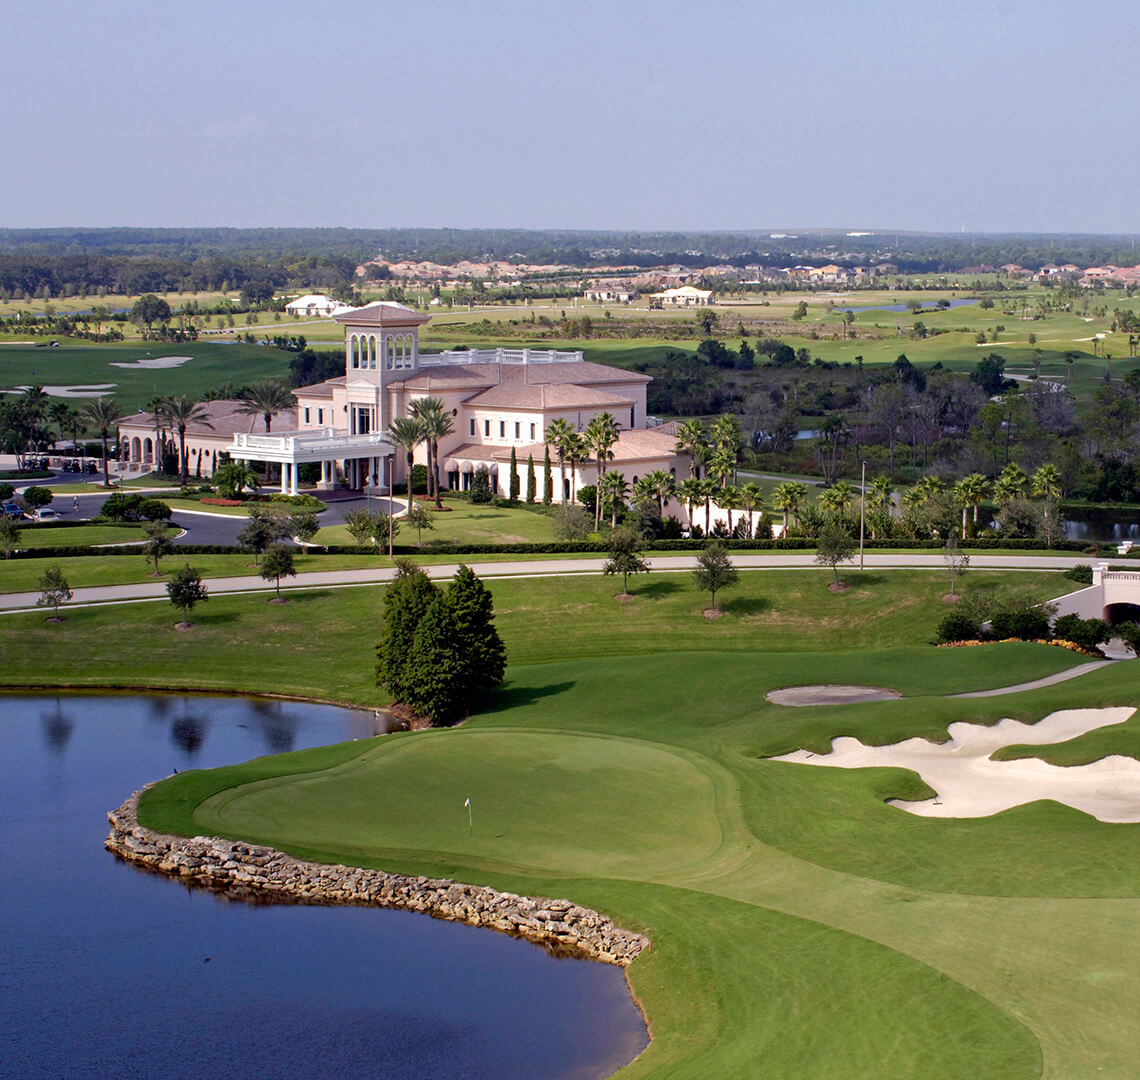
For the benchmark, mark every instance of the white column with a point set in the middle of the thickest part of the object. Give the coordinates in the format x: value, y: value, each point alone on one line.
x: 285, y: 478
x: 293, y: 479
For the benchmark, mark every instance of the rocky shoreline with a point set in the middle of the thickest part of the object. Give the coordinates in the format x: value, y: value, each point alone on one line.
x: 253, y: 872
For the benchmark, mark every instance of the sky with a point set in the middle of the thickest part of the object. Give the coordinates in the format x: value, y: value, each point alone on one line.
x: 1000, y: 116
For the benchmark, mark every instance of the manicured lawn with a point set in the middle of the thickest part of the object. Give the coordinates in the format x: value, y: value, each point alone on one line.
x: 321, y: 644
x: 77, y: 536
x: 462, y: 522
x: 801, y: 927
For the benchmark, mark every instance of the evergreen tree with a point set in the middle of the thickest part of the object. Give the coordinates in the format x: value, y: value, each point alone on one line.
x: 434, y: 676
x: 547, y: 479
x: 514, y: 480
x: 481, y: 649
x: 481, y: 485
x: 405, y: 603
x: 714, y: 571
x: 625, y: 558
x: 185, y: 590
x: 530, y: 478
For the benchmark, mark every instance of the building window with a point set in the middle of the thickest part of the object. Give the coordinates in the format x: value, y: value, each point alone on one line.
x: 486, y: 429
x: 502, y: 429
x: 320, y: 416
x: 532, y: 432
x: 306, y: 416
x: 472, y: 425
x: 516, y: 429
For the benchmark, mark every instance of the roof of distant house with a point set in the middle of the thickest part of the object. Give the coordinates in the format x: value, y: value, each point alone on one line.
x: 223, y: 416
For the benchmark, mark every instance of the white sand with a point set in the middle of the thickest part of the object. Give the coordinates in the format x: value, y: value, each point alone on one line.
x: 829, y: 694
x: 971, y: 785
x: 81, y: 391
x: 153, y: 362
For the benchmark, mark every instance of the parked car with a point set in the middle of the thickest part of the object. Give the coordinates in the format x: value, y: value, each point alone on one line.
x: 13, y: 509
x: 47, y: 514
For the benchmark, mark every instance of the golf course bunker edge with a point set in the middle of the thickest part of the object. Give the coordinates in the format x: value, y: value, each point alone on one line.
x: 830, y: 694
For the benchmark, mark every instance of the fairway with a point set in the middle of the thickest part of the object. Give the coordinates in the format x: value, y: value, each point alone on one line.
x: 801, y: 926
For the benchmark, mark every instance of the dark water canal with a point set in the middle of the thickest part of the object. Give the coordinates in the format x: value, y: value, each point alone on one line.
x: 107, y: 971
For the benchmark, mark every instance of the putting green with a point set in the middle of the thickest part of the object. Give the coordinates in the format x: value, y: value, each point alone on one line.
x: 539, y: 801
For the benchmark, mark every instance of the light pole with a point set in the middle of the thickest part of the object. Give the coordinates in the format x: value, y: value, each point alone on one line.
x: 862, y: 512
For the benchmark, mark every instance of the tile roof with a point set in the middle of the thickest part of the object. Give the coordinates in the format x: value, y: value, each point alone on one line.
x: 224, y: 418
x: 516, y: 395
x: 634, y: 444
x: 321, y: 389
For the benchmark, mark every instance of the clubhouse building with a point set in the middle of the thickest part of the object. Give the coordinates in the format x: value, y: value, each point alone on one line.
x: 499, y: 399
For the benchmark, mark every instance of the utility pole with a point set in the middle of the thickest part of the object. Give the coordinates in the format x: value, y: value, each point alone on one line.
x: 862, y: 512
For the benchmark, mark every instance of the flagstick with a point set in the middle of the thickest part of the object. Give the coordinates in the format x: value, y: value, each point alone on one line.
x: 470, y: 823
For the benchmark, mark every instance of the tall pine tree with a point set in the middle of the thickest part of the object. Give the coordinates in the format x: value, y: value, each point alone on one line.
x: 530, y: 480
x: 435, y: 672
x: 473, y: 611
x: 547, y: 479
x: 405, y: 604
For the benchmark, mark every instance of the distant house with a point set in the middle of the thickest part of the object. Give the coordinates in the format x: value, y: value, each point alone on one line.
x: 316, y: 305
x: 685, y: 296
x: 610, y: 294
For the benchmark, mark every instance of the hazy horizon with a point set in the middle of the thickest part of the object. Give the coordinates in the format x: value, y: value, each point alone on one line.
x: 886, y: 116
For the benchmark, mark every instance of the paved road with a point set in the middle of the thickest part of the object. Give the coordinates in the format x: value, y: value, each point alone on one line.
x: 1036, y: 684
x: 205, y: 527
x: 374, y: 575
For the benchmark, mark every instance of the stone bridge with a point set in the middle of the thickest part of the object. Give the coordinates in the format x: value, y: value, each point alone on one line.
x: 1114, y: 595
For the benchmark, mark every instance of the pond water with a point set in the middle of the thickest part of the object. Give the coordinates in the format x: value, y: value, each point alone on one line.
x: 927, y: 305
x: 110, y: 971
x: 1103, y: 525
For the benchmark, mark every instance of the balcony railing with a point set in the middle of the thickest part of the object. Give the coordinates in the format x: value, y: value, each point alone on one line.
x: 500, y: 356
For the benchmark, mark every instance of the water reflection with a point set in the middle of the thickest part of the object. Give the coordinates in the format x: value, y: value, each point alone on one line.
x: 188, y: 733
x: 57, y: 727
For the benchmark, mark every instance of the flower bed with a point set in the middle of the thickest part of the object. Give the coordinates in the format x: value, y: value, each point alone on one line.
x: 221, y: 502
x: 1072, y: 646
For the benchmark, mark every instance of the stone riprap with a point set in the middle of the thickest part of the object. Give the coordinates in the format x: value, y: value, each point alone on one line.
x: 263, y: 873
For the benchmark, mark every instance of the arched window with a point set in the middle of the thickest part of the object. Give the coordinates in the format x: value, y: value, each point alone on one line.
x: 372, y: 352
x: 390, y: 361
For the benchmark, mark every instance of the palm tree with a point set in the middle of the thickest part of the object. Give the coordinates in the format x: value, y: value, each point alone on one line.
x: 728, y: 500
x: 60, y: 413
x: 103, y: 414
x: 181, y: 412
x: 751, y: 501
x: 231, y: 478
x: 721, y: 465
x: 692, y: 494
x: 691, y: 440
x: 558, y: 434
x: 1046, y: 484
x: 156, y: 406
x: 407, y: 432
x: 709, y: 490
x: 661, y: 486
x: 837, y: 498
x: 929, y: 486
x: 1011, y: 483
x: 576, y: 451
x: 787, y: 498
x: 613, y: 490
x: 266, y: 399
x: 601, y: 433
x: 971, y: 491
x: 438, y: 425
x: 726, y: 438
x: 880, y: 491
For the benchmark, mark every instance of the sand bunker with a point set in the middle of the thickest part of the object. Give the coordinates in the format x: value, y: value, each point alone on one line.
x: 83, y: 391
x: 153, y: 362
x: 834, y: 694
x: 970, y: 785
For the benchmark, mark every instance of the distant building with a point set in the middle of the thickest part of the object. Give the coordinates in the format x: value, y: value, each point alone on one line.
x: 316, y: 305
x: 685, y: 296
x: 610, y: 294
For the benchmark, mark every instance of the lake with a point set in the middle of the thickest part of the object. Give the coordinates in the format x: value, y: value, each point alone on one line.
x: 927, y: 306
x: 110, y: 971
x: 1103, y: 525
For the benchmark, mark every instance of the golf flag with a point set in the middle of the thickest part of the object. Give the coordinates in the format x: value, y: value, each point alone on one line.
x: 467, y: 802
